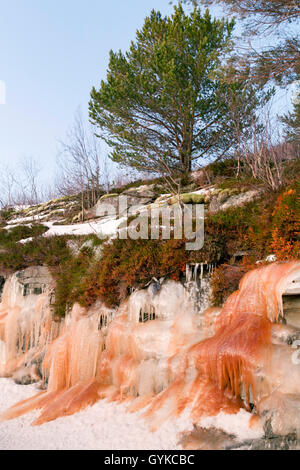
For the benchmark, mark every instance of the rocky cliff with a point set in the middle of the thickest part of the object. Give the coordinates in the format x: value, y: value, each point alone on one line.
x: 115, y: 319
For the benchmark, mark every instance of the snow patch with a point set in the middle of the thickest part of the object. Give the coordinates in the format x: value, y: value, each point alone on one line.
x: 105, y: 227
x: 105, y: 426
x: 238, y: 425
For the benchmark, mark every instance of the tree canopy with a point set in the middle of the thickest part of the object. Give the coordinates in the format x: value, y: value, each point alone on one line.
x: 292, y: 120
x: 268, y: 12
x: 280, y: 61
x: 164, y: 104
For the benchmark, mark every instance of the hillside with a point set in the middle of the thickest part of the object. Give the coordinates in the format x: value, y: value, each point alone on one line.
x: 88, y: 314
x: 244, y: 223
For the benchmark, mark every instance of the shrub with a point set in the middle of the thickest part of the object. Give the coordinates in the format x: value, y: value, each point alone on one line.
x: 285, y: 235
x: 71, y: 275
x: 40, y: 251
x: 20, y: 232
x: 265, y: 226
x: 223, y: 168
x: 6, y: 214
x: 127, y: 264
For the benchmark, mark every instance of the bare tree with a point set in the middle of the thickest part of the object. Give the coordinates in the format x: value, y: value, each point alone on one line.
x: 48, y: 192
x: 29, y: 181
x: 81, y: 167
x: 276, y: 22
x: 21, y: 185
x: 265, y: 153
x: 7, y: 187
x: 106, y: 175
x: 271, y: 13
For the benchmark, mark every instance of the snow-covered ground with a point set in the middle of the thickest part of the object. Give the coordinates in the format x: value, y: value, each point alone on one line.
x: 237, y: 425
x: 105, y: 426
x: 104, y: 227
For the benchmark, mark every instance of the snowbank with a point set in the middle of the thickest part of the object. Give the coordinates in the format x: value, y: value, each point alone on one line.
x: 238, y: 425
x: 105, y: 426
x: 104, y: 227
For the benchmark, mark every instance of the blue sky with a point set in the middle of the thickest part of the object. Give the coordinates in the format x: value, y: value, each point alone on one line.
x: 52, y: 53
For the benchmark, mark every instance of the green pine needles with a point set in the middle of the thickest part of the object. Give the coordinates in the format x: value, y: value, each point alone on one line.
x: 166, y: 103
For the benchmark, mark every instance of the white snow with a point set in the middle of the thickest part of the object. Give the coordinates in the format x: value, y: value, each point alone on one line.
x: 237, y: 424
x: 105, y: 426
x: 271, y: 258
x: 26, y: 240
x: 21, y: 207
x: 105, y: 227
x: 24, y: 220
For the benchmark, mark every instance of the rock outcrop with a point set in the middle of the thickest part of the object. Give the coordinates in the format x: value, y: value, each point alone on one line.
x: 34, y: 280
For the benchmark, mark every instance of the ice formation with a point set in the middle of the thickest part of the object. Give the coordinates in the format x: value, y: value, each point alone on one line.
x: 156, y: 353
x: 26, y: 326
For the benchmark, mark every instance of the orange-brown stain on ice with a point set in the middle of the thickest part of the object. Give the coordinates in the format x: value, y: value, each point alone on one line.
x: 204, y: 376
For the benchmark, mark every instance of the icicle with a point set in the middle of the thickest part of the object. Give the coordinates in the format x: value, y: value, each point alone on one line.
x: 169, y: 363
x: 27, y: 326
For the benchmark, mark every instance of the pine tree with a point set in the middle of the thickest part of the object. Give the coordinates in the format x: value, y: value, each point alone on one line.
x: 164, y: 104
